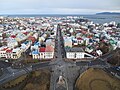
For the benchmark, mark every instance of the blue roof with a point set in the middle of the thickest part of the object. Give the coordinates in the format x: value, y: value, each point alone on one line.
x: 35, y: 52
x: 26, y: 42
x: 37, y: 43
x: 74, y: 41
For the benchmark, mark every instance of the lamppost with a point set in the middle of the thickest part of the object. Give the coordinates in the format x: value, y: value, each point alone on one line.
x: 13, y: 73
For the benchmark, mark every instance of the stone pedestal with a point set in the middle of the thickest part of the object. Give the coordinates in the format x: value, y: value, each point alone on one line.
x: 61, y: 80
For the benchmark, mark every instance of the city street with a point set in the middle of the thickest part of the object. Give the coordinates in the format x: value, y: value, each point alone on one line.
x: 68, y: 70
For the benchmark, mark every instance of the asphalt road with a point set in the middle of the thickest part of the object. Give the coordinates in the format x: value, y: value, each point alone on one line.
x: 4, y: 64
x: 61, y: 67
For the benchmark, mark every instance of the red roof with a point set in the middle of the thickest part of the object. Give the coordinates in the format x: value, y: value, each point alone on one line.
x: 42, y: 49
x: 103, y: 41
x: 89, y: 36
x: 49, y: 49
x: 9, y: 51
x: 5, y: 49
x: 13, y: 36
x: 32, y: 39
x: 25, y: 33
x: 79, y: 39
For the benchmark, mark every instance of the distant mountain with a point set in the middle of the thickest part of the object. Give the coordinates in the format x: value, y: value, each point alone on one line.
x: 108, y: 13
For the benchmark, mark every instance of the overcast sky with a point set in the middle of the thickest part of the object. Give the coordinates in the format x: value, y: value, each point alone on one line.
x: 58, y: 7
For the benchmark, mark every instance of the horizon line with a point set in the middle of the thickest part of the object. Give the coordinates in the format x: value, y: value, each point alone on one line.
x: 45, y: 14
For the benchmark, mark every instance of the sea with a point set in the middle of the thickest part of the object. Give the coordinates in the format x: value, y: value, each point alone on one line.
x: 101, y: 19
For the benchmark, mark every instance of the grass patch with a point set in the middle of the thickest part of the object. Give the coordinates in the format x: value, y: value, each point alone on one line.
x: 40, y: 80
x: 97, y: 79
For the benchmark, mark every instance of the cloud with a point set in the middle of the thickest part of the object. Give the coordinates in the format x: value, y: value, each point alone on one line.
x: 58, y: 6
x: 55, y: 11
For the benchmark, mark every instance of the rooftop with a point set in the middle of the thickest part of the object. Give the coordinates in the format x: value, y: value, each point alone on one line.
x: 74, y: 49
x: 35, y: 52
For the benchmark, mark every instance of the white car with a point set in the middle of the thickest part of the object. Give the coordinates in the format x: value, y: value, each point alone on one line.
x: 118, y: 68
x: 6, y: 61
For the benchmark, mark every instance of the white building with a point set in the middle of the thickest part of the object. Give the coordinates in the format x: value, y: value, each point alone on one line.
x: 25, y: 45
x: 80, y: 41
x: 77, y: 53
x: 42, y: 38
x: 3, y: 52
x: 99, y: 52
x: 118, y: 44
x: 43, y: 53
x: 1, y: 28
x: 67, y: 42
x: 12, y: 43
x: 16, y: 53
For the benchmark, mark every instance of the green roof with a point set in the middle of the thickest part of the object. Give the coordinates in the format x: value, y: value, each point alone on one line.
x: 112, y: 42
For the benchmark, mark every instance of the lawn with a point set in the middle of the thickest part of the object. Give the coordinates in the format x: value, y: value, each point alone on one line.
x: 97, y: 79
x: 40, y: 80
